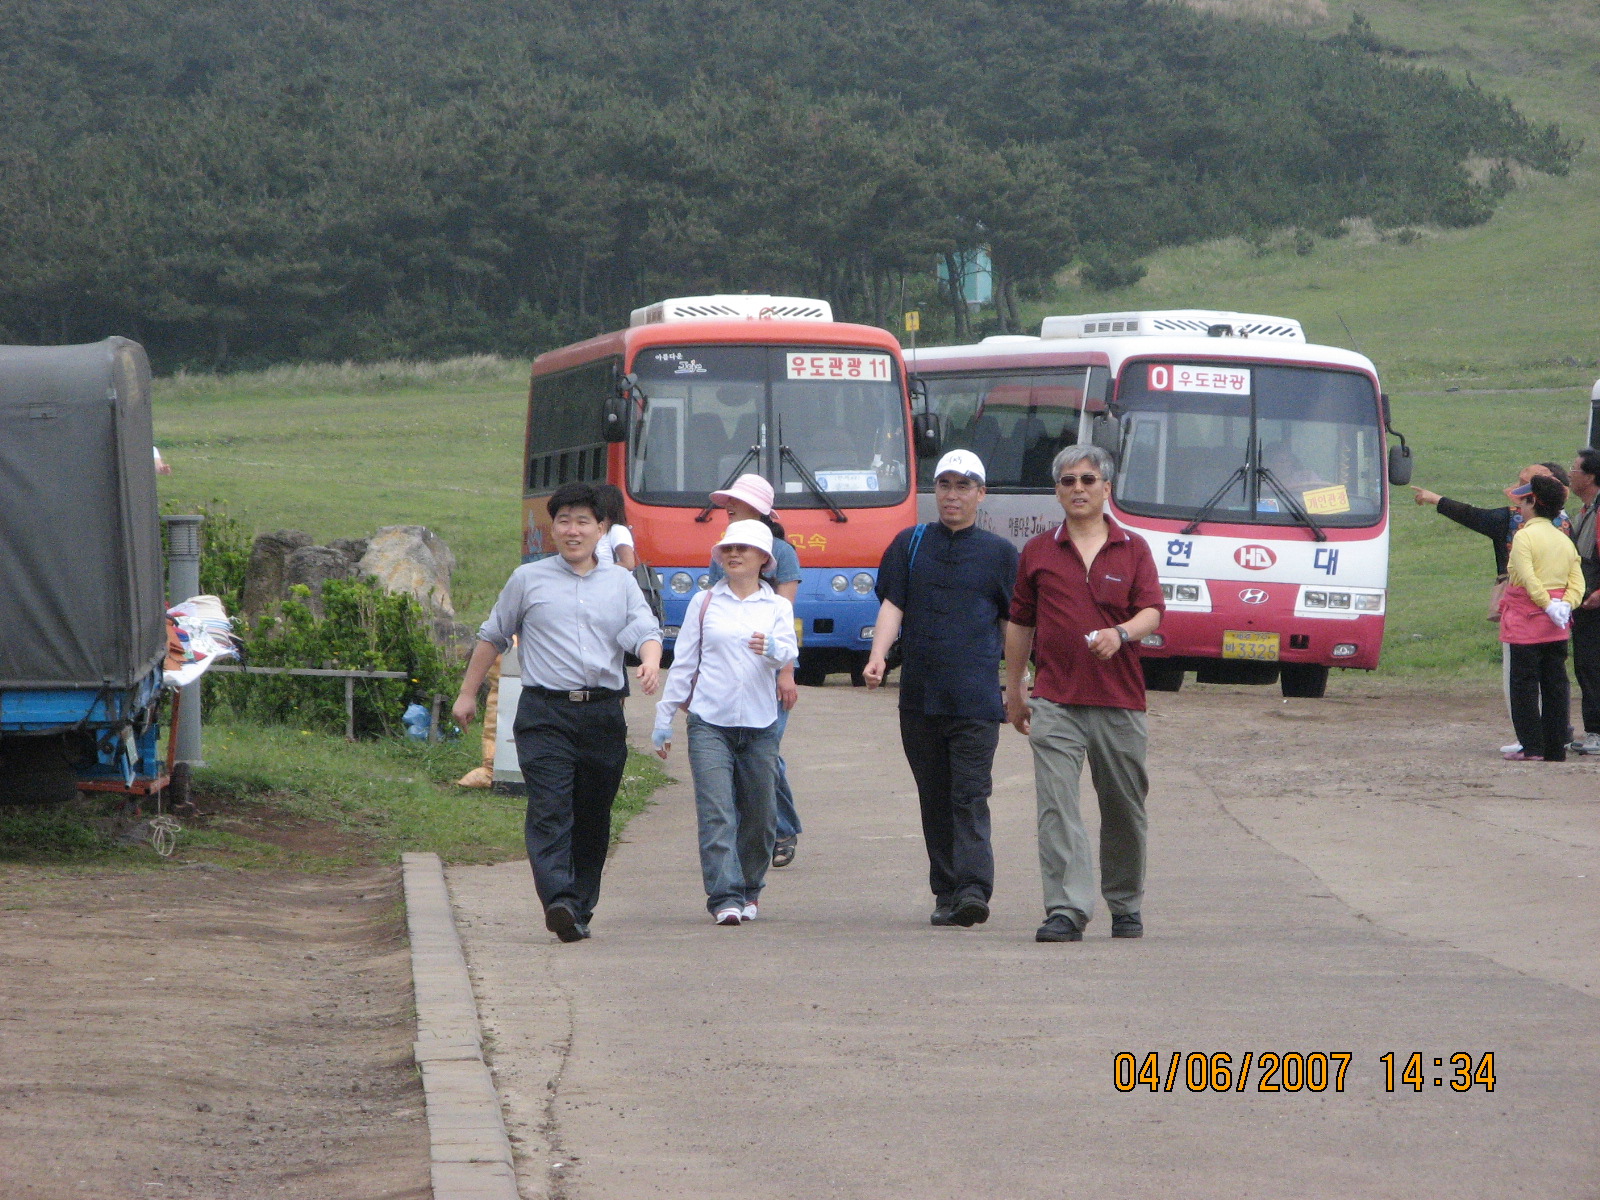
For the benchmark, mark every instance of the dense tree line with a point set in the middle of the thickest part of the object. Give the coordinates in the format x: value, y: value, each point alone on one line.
x: 256, y: 180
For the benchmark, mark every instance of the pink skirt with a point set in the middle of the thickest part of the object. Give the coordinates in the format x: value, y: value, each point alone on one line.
x: 1523, y: 623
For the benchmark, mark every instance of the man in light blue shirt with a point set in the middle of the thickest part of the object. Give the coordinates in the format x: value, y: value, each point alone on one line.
x: 573, y: 618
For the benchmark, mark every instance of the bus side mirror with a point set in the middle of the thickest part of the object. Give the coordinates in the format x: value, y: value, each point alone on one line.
x: 1106, y: 432
x: 925, y: 429
x: 1399, y: 465
x: 614, y: 418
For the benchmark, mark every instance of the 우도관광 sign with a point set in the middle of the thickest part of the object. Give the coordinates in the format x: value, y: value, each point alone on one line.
x: 1212, y: 380
x: 830, y: 365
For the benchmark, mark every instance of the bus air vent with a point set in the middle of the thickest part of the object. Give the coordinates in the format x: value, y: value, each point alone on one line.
x: 1184, y: 322
x: 733, y: 308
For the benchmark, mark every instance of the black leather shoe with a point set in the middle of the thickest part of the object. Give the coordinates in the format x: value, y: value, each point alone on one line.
x: 941, y: 916
x: 970, y: 911
x: 560, y: 920
x: 1126, y: 925
x: 1058, y: 928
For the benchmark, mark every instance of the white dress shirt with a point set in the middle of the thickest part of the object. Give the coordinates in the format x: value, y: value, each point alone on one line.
x: 733, y: 685
x: 610, y: 542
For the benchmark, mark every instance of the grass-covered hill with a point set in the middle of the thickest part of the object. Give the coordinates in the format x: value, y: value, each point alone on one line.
x: 268, y: 180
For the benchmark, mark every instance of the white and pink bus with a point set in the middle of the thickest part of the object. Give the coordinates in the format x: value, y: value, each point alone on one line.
x: 1253, y: 463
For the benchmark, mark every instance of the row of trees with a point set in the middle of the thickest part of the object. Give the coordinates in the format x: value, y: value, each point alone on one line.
x: 264, y: 181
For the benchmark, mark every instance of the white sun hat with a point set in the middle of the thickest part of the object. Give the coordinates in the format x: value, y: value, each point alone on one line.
x: 962, y: 462
x: 748, y: 533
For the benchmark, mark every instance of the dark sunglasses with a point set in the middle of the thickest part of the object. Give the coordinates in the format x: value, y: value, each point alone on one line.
x: 1072, y: 480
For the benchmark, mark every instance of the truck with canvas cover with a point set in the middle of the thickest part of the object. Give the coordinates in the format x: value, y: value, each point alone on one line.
x: 82, y: 612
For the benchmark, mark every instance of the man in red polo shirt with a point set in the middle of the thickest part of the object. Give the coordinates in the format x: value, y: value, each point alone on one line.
x: 1091, y: 591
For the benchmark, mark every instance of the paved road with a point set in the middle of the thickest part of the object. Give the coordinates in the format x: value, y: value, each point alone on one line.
x: 842, y: 1047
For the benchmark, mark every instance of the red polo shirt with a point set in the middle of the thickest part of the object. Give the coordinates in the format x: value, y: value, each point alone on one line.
x: 1062, y: 601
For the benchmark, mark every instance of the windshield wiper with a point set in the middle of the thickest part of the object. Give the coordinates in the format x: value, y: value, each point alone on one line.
x: 1206, y: 509
x: 1294, y: 506
x: 787, y: 455
x: 749, y: 457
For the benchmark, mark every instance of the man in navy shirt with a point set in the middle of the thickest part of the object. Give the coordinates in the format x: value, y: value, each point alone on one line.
x: 945, y: 589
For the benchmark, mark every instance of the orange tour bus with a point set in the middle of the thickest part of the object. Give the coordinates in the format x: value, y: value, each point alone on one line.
x: 699, y: 390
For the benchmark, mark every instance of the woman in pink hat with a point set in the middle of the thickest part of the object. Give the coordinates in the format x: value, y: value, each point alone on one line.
x: 736, y: 636
x: 750, y: 498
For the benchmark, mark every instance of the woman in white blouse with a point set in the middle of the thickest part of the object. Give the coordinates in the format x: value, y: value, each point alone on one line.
x: 735, y: 638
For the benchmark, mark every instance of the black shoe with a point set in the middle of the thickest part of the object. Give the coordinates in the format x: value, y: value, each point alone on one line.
x: 783, y: 851
x: 560, y: 920
x: 941, y: 916
x: 1058, y: 928
x: 970, y: 911
x: 1126, y: 925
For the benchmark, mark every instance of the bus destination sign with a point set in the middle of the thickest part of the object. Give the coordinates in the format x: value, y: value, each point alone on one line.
x: 1224, y: 381
x: 840, y: 366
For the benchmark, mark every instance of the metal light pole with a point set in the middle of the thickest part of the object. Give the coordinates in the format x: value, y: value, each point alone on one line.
x: 183, y: 581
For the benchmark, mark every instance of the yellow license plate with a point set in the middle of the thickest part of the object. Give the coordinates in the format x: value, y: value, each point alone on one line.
x: 1240, y: 643
x: 800, y: 633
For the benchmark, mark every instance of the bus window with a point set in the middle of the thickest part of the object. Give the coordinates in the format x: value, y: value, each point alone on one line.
x: 850, y: 435
x: 566, y: 441
x: 1314, y: 431
x: 1015, y: 423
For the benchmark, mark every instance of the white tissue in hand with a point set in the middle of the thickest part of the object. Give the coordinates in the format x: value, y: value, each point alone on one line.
x: 1560, y: 612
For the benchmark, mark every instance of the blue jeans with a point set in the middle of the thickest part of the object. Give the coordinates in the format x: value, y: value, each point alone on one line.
x: 788, y: 819
x: 734, y: 774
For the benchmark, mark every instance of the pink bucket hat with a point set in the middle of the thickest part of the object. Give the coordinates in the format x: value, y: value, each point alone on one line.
x: 752, y: 489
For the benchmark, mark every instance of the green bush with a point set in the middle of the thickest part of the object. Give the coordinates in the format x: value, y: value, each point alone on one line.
x: 1107, y: 270
x: 362, y: 628
x: 225, y: 545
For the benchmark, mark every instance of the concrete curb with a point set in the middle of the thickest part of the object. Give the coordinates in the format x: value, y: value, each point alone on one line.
x: 471, y: 1155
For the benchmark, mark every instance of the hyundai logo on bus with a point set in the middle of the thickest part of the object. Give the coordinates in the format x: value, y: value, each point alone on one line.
x: 1253, y: 596
x: 1254, y: 558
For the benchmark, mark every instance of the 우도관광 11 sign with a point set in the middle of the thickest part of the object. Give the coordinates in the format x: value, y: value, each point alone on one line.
x: 1217, y: 381
x: 864, y: 367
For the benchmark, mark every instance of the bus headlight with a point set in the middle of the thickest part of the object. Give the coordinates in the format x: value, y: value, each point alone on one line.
x: 1339, y: 600
x: 1154, y: 640
x: 1345, y: 650
x: 1316, y: 599
x: 681, y: 583
x: 867, y: 632
x: 1371, y: 602
x: 704, y: 581
x: 670, y: 631
x: 840, y: 583
x: 1187, y: 593
x: 863, y: 584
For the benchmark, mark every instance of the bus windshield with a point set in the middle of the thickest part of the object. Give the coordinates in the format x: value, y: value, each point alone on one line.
x: 712, y: 412
x: 1014, y: 421
x: 1242, y: 437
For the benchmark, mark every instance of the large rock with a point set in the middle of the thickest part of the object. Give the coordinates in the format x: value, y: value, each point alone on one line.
x: 314, y: 566
x: 414, y: 560
x: 266, y: 574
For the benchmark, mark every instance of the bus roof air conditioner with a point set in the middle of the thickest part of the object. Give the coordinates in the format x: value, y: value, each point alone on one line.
x: 1176, y: 322
x: 732, y: 308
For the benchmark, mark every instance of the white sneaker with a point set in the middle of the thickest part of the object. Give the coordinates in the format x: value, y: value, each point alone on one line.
x: 1588, y: 744
x: 749, y: 913
x: 1511, y: 748
x: 731, y: 915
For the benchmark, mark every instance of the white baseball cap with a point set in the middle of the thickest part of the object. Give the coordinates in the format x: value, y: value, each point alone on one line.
x: 748, y: 533
x: 962, y: 462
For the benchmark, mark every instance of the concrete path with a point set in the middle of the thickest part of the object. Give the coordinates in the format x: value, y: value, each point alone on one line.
x: 842, y: 1047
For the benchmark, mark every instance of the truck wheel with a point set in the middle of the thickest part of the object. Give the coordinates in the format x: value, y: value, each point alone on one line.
x: 1305, y: 680
x: 1162, y: 674
x: 811, y: 670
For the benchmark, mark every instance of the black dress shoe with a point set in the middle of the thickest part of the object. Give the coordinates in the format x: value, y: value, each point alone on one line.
x: 970, y: 911
x: 560, y: 920
x: 1058, y: 928
x: 941, y: 916
x: 1126, y: 925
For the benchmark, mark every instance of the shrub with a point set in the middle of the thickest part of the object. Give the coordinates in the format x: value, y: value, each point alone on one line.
x: 1105, y: 270
x: 363, y: 628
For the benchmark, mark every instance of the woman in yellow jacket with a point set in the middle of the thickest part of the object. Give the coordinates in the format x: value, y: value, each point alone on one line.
x: 1545, y: 580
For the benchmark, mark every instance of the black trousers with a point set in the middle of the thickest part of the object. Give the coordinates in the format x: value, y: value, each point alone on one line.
x: 572, y: 758
x: 952, y: 760
x: 1539, y: 698
x: 1586, y: 663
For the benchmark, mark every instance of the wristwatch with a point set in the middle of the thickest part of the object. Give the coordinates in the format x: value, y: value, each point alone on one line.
x: 1121, y: 633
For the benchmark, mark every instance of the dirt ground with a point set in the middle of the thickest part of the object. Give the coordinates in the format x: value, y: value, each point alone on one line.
x: 207, y: 1032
